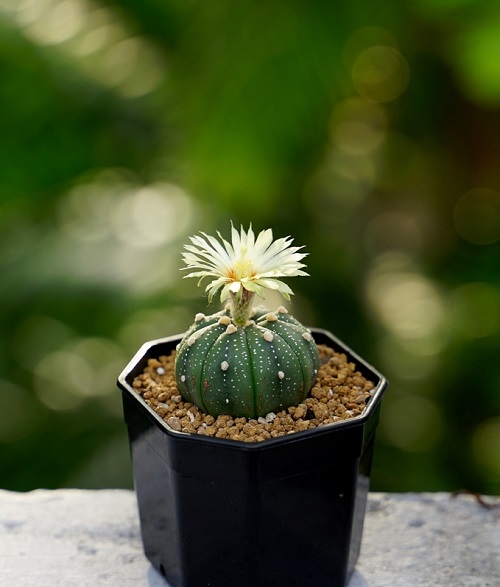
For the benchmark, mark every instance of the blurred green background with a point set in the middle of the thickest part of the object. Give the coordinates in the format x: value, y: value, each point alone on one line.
x: 369, y: 131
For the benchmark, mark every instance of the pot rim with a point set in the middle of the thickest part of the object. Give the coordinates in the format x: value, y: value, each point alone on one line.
x: 377, y: 393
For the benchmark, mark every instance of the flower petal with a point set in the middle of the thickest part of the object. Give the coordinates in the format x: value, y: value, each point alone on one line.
x: 248, y: 261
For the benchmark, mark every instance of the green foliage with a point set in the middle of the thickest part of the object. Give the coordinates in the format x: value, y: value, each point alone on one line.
x: 369, y: 132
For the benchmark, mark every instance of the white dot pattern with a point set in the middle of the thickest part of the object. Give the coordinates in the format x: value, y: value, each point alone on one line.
x: 250, y: 371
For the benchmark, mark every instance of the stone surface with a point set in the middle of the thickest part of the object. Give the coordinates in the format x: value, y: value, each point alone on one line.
x: 79, y: 538
x: 431, y: 540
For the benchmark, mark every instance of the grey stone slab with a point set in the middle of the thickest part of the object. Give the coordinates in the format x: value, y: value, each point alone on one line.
x: 78, y: 538
x: 72, y: 538
x: 431, y: 540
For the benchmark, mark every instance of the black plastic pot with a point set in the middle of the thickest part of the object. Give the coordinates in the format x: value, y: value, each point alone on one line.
x: 285, y: 511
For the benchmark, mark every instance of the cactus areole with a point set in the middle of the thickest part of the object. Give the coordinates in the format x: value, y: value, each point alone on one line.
x: 245, y: 361
x: 265, y: 366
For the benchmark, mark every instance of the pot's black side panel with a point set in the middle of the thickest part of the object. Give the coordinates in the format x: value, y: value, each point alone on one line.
x: 156, y: 490
x: 308, y: 520
x: 221, y: 514
x: 157, y: 497
x: 247, y: 526
x: 196, y: 505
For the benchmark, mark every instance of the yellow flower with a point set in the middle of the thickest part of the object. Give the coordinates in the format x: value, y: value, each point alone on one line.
x: 247, y: 263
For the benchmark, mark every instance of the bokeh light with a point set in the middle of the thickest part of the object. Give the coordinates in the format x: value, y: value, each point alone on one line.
x: 110, y: 222
x: 95, y: 39
x: 358, y: 126
x: 110, y: 208
x: 381, y: 74
x: 407, y: 303
x: 412, y: 423
x: 78, y: 370
x: 50, y: 22
x: 394, y: 231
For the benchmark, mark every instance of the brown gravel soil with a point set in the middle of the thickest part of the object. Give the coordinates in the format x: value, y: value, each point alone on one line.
x: 340, y: 393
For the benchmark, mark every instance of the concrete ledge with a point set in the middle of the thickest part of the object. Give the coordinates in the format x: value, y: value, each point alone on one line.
x: 429, y: 539
x: 79, y: 538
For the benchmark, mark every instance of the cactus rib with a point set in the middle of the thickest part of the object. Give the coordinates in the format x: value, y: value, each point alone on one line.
x: 266, y: 365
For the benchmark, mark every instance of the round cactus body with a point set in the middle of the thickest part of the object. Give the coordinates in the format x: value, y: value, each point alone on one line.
x: 265, y: 366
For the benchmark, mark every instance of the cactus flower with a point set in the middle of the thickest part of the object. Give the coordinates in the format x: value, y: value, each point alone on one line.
x: 245, y: 361
x: 244, y: 267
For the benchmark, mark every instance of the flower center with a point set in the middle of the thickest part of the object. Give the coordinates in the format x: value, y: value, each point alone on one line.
x: 243, y: 268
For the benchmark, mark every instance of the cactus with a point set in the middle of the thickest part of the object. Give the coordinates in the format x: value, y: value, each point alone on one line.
x: 245, y: 361
x: 265, y: 366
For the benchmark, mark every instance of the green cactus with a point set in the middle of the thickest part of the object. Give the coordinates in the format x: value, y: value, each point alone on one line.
x: 264, y: 366
x: 245, y: 361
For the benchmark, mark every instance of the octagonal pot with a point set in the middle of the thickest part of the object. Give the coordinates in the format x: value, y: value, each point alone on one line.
x: 284, y: 511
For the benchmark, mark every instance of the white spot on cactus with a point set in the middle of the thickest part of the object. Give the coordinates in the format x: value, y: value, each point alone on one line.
x: 271, y: 317
x: 227, y: 400
x: 281, y: 375
x: 199, y: 317
x: 224, y: 365
x: 177, y: 346
x: 282, y: 310
x: 268, y: 336
x: 306, y: 336
x: 231, y: 329
x: 191, y: 340
x: 183, y: 378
